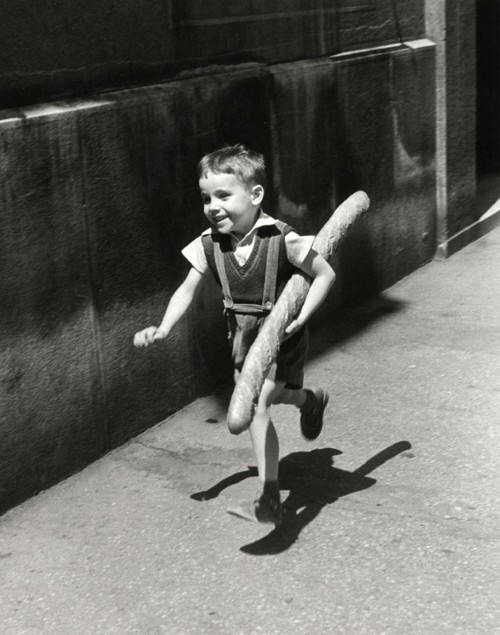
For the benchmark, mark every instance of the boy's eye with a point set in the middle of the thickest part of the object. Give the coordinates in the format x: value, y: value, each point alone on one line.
x: 222, y: 194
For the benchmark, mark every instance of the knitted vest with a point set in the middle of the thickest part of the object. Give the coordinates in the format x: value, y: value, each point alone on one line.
x: 254, y: 286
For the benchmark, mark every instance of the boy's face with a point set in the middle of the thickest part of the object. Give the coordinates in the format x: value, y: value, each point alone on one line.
x: 230, y: 204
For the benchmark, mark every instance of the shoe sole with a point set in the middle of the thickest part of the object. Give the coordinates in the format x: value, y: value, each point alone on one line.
x: 242, y: 512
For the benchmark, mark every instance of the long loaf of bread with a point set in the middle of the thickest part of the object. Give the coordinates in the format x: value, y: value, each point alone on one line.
x: 264, y: 350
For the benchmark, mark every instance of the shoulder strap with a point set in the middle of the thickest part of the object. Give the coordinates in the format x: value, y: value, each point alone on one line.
x: 272, y: 263
x: 284, y: 228
x: 221, y: 270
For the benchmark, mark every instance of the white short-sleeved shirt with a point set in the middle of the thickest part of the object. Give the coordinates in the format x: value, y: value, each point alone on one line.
x: 297, y: 247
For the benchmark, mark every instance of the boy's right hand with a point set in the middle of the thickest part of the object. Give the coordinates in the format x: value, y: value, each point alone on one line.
x: 148, y: 336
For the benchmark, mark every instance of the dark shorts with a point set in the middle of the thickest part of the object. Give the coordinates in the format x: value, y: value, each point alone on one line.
x: 289, y: 367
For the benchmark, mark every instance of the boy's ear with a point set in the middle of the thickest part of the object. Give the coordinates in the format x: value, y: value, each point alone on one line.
x: 257, y: 194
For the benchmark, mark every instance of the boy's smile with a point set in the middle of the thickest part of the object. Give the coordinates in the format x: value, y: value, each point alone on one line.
x: 230, y: 204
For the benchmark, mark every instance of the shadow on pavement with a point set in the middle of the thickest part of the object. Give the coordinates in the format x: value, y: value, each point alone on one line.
x: 313, y: 483
x: 214, y: 491
x: 350, y: 322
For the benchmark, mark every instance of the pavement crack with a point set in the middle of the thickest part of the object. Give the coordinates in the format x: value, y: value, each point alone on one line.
x: 183, y: 455
x: 192, y: 456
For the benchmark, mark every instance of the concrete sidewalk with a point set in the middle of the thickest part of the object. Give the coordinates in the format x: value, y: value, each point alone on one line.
x: 393, y: 513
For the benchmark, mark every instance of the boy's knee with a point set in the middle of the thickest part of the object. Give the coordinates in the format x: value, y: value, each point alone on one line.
x: 263, y: 408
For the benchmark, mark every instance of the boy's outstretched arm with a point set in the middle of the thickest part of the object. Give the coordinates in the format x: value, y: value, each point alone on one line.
x: 177, y: 307
x: 323, y: 277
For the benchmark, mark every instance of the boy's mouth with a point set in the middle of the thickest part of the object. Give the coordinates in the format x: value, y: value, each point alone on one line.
x: 218, y: 218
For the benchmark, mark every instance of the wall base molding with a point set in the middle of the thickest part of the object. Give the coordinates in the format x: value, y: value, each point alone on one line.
x: 486, y: 223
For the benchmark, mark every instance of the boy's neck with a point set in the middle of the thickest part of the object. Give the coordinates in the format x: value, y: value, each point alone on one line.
x: 240, y: 235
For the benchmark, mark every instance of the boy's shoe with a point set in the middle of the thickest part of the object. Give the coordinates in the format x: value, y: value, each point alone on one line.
x: 311, y: 413
x: 264, y: 509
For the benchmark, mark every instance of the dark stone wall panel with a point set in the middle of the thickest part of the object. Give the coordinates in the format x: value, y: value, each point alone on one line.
x: 306, y: 133
x: 143, y: 205
x: 250, y: 30
x: 391, y: 155
x: 54, y: 48
x: 136, y: 230
x: 365, y: 123
x: 50, y: 420
x: 461, y: 119
x: 40, y: 190
x: 414, y: 155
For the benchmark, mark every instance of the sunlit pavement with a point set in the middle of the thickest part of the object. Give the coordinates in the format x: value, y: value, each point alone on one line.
x: 392, y: 515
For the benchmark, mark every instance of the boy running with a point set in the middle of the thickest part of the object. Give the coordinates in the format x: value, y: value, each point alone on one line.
x: 252, y: 256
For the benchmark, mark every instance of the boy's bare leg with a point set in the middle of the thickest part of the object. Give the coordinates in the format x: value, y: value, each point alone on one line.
x: 267, y: 507
x: 312, y: 403
x: 263, y: 433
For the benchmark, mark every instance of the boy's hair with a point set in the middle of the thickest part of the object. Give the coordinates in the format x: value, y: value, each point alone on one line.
x: 248, y: 166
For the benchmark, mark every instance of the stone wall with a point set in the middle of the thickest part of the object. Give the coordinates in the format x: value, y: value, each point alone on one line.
x: 54, y: 48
